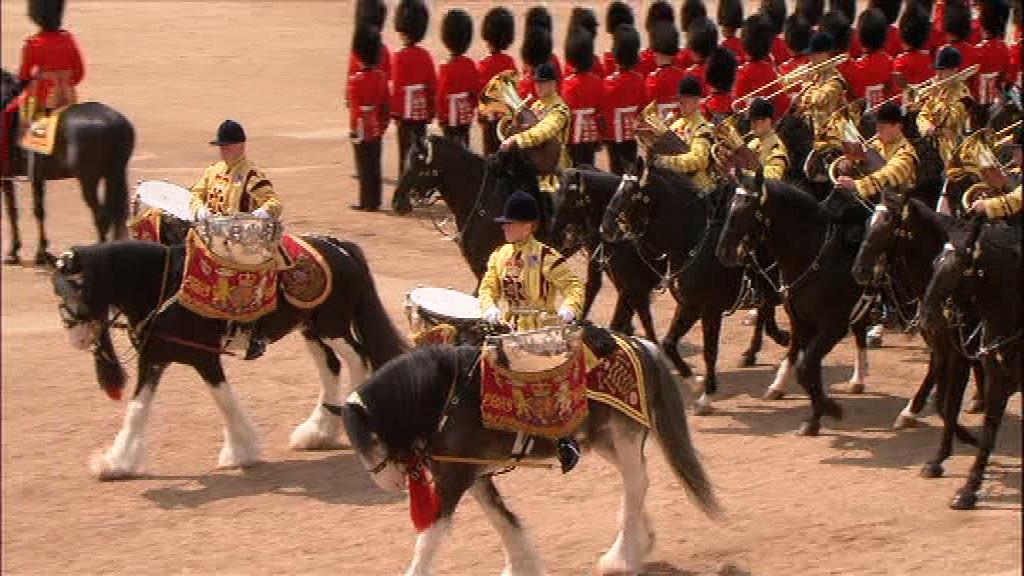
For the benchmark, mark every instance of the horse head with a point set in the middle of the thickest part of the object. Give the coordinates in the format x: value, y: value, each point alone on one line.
x: 888, y: 216
x: 742, y: 218
x: 629, y: 209
x: 422, y: 176
x: 952, y: 266
x: 367, y: 443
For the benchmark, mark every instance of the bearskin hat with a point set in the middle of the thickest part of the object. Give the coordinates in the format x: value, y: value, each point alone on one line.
x: 837, y: 25
x: 776, y: 12
x: 664, y: 37
x: 811, y: 10
x: 457, y: 31
x: 757, y: 36
x: 539, y: 16
x: 371, y: 13
x: 536, y: 48
x: 579, y: 49
x: 690, y: 11
x: 702, y: 36
x: 366, y: 44
x: 47, y: 14
x: 730, y: 14
x: 847, y: 7
x: 915, y: 26
x: 585, y: 18
x: 891, y: 9
x: 994, y: 16
x: 659, y: 11
x: 957, y: 20
x: 617, y: 13
x: 821, y: 43
x: 411, y: 18
x: 720, y: 72
x: 626, y: 46
x: 499, y: 28
x: 872, y: 28
x: 797, y: 33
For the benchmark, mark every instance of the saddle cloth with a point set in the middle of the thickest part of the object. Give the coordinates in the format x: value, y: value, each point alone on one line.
x: 145, y: 226
x: 42, y: 133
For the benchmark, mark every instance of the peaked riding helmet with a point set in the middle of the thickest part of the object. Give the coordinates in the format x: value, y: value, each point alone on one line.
x: 229, y: 132
x: 948, y: 58
x: 520, y: 207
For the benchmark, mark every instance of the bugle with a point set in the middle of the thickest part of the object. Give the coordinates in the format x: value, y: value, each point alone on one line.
x: 787, y: 80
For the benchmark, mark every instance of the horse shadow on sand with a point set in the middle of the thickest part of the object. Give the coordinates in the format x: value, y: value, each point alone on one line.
x: 336, y: 479
x: 667, y: 569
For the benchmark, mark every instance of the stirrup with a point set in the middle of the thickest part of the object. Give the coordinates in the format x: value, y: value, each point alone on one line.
x: 568, y: 453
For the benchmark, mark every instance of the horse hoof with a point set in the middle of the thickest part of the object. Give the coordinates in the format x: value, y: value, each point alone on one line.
x: 857, y: 388
x: 809, y: 429
x: 702, y: 406
x: 45, y: 259
x: 12, y: 260
x: 976, y: 407
x: 832, y: 409
x: 773, y: 394
x: 105, y: 468
x: 748, y: 360
x: 904, y: 421
x: 932, y: 470
x: 964, y: 500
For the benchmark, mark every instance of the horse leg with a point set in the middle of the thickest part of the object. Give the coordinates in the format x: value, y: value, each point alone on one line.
x: 950, y: 391
x: 643, y: 310
x: 12, y: 215
x: 123, y: 458
x: 808, y: 374
x: 711, y: 327
x: 240, y: 444
x: 39, y: 209
x: 912, y: 411
x: 682, y: 320
x: 115, y: 203
x: 90, y: 191
x: 777, y: 389
x: 860, y: 363
x: 520, y: 555
x: 622, y: 316
x: 967, y: 497
x: 749, y: 357
x: 977, y: 405
x: 622, y: 446
x: 771, y: 327
x: 451, y: 482
x: 322, y: 429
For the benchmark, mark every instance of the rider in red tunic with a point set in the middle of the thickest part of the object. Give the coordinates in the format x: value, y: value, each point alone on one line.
x: 915, y: 64
x: 50, y: 62
x: 414, y: 84
x: 623, y: 100
x: 583, y: 93
x: 498, y: 32
x: 458, y: 82
x: 618, y: 13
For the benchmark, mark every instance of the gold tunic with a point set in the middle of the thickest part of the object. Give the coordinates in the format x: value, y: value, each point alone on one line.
x: 900, y: 170
x: 240, y: 187
x: 825, y: 94
x: 1005, y: 206
x: 554, y: 122
x: 772, y: 154
x: 946, y: 113
x: 696, y: 131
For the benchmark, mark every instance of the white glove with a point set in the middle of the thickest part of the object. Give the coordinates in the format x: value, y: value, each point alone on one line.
x: 261, y: 213
x: 566, y: 314
x: 492, y: 315
x: 202, y: 213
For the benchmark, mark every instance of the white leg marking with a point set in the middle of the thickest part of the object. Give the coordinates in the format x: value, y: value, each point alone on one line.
x: 357, y: 367
x: 427, y: 544
x: 860, y: 371
x: 702, y: 405
x: 635, y: 539
x: 778, y: 386
x: 240, y: 444
x: 322, y: 429
x: 124, y: 456
x: 521, y: 559
x: 907, y: 418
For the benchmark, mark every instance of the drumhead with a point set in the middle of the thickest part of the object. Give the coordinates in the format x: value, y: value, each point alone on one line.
x: 171, y: 198
x: 446, y: 303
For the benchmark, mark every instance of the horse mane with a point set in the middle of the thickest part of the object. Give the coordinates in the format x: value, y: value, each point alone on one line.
x: 404, y: 399
x: 437, y: 140
x: 100, y: 263
x: 673, y: 181
x: 605, y: 182
x: 793, y: 196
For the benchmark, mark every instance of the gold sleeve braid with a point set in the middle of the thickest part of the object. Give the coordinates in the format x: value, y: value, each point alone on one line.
x: 554, y: 124
x: 490, y: 287
x: 199, y: 191
x: 561, y: 276
x: 262, y: 195
x: 777, y: 162
x: 697, y: 159
x: 1005, y: 206
x: 900, y: 171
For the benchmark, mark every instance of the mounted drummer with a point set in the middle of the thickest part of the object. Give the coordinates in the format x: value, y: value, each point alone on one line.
x: 526, y: 277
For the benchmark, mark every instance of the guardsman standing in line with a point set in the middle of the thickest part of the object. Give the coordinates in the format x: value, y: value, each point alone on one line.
x: 759, y: 69
x: 956, y: 23
x: 701, y: 39
x: 691, y: 11
x: 797, y: 33
x: 775, y: 11
x: 618, y: 13
x: 498, y: 31
x: 663, y: 82
x: 659, y: 11
x: 555, y: 120
x: 413, y: 84
x: 943, y: 114
x: 900, y: 169
x: 993, y: 54
x: 584, y: 18
x: 695, y: 130
x: 538, y: 39
x: 368, y: 100
x: 719, y: 77
x: 838, y: 26
x: 915, y: 64
x: 372, y: 13
x: 50, y: 62
x: 623, y: 100
x: 730, y: 20
x: 765, y: 142
x: 583, y: 93
x: 458, y: 83
x: 872, y: 79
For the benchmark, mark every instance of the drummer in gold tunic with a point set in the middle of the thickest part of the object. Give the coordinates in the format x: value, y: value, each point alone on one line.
x: 233, y: 185
x: 770, y: 150
x: 696, y: 131
x: 900, y: 169
x: 944, y: 113
x: 554, y: 122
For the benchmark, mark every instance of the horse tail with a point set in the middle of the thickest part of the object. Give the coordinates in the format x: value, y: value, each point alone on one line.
x: 373, y: 327
x: 665, y: 402
x: 115, y: 189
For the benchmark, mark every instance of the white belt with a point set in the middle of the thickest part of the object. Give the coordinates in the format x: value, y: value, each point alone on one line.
x: 664, y: 109
x: 578, y: 117
x: 410, y: 90
x: 619, y: 128
x: 453, y: 107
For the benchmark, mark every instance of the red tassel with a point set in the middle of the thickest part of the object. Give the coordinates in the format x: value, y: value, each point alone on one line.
x: 424, y: 501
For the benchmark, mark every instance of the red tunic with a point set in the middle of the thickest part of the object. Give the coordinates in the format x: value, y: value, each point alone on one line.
x: 717, y: 104
x: 872, y: 78
x: 663, y: 88
x: 527, y: 87
x: 608, y: 64
x: 414, y: 84
x: 994, y: 72
x: 684, y: 59
x: 50, y: 52
x: 734, y: 44
x: 492, y: 65
x: 780, y: 52
x: 598, y: 68
x: 755, y: 74
x: 1014, y: 68
x: 583, y: 94
x: 624, y: 98
x: 647, y: 62
x: 458, y: 85
x: 383, y: 63
x: 697, y: 70
x: 893, y: 43
x: 368, y: 104
x: 915, y: 66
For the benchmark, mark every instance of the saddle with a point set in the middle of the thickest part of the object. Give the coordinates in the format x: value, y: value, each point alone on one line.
x: 41, y: 134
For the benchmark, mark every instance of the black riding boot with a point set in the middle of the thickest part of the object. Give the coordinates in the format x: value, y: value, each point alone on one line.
x: 568, y: 453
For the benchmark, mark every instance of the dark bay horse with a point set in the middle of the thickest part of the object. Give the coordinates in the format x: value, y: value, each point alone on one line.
x: 403, y: 414
x: 94, y: 143
x: 980, y: 269
x: 818, y: 290
x: 139, y: 279
x: 673, y: 227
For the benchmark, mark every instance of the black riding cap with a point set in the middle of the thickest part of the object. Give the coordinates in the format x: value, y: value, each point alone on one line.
x: 546, y: 72
x: 229, y: 132
x: 948, y: 58
x: 761, y: 108
x: 889, y: 113
x: 520, y: 207
x: 690, y: 86
x: 822, y: 42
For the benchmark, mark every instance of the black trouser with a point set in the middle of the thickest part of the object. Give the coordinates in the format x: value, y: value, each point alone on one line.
x: 489, y: 132
x: 621, y: 156
x: 583, y: 153
x: 368, y: 169
x: 408, y: 131
x: 458, y: 134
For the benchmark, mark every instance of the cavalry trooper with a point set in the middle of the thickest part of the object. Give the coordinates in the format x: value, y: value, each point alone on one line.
x: 1008, y: 205
x: 900, y: 169
x: 527, y: 276
x: 232, y: 186
x: 943, y: 114
x: 770, y: 150
x: 696, y: 131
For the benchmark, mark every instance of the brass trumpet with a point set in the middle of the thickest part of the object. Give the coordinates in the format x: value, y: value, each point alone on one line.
x: 654, y: 133
x: 798, y: 75
x: 1005, y: 135
x: 916, y: 92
